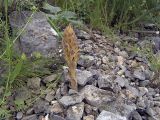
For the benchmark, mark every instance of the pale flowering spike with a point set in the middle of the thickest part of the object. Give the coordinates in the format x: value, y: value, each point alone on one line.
x: 71, y: 54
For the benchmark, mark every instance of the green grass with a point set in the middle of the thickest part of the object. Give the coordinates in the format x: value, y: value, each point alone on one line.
x: 11, y: 63
x: 117, y: 13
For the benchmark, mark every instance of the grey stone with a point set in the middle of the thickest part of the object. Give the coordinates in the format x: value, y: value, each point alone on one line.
x: 116, y: 50
x: 90, y: 110
x: 156, y: 99
x: 105, y: 115
x: 139, y: 74
x: 148, y: 74
x: 133, y: 91
x: 122, y: 81
x: 30, y: 117
x: 86, y: 60
x: 156, y: 103
x: 142, y: 91
x: 89, y: 117
x: 75, y: 112
x: 141, y: 104
x: 144, y: 83
x: 19, y: 115
x: 150, y: 112
x: 105, y: 60
x: 64, y: 89
x: 135, y: 116
x: 119, y: 107
x: 123, y: 54
x: 40, y: 106
x: 50, y: 96
x: 30, y: 111
x: 71, y: 92
x: 55, y: 107
x: 97, y: 36
x: 156, y: 44
x: 151, y: 91
x: 105, y: 81
x: 140, y: 59
x: 95, y: 96
x: 50, y: 78
x: 58, y: 93
x: 56, y: 117
x: 39, y: 36
x: 83, y: 35
x: 128, y: 74
x: 127, y: 109
x: 34, y: 83
x: 83, y: 76
x: 71, y: 100
x: 88, y: 48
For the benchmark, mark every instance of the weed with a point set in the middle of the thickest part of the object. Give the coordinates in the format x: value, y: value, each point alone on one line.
x: 70, y: 49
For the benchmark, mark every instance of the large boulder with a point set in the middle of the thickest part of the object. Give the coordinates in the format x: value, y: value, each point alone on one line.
x: 38, y: 35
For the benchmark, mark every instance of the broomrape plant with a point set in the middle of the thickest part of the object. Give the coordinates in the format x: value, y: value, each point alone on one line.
x: 71, y: 54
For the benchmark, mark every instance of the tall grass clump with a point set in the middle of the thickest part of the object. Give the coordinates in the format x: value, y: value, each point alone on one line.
x: 113, y: 13
x: 11, y: 63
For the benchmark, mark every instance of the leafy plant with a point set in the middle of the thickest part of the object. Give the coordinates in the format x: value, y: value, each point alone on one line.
x: 70, y: 49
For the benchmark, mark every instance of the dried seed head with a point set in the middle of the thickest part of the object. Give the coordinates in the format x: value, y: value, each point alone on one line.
x: 70, y: 49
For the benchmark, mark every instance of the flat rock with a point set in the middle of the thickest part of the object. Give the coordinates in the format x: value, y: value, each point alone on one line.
x: 30, y: 117
x: 105, y: 115
x: 83, y: 35
x: 95, y: 96
x: 50, y: 78
x: 90, y: 110
x: 40, y: 106
x: 135, y: 116
x: 144, y: 83
x: 89, y: 117
x: 75, y: 112
x: 142, y: 91
x: 34, y: 83
x: 83, y: 76
x: 139, y: 74
x: 56, y: 117
x: 122, y: 81
x: 132, y: 92
x: 105, y: 60
x: 39, y: 36
x: 50, y: 95
x: 105, y: 81
x: 71, y: 100
x: 55, y: 107
x: 86, y: 60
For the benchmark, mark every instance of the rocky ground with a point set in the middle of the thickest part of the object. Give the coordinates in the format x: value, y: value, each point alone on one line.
x: 114, y: 84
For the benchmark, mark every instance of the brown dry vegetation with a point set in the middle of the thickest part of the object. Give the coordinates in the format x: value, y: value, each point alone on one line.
x: 71, y: 54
